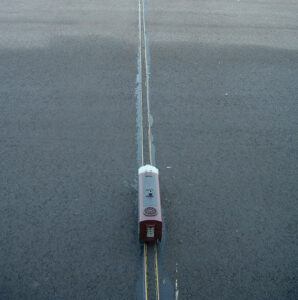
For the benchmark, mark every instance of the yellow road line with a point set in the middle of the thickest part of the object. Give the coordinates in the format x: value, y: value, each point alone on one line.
x: 156, y: 271
x: 141, y: 80
x: 147, y: 83
x: 142, y: 41
x: 145, y: 272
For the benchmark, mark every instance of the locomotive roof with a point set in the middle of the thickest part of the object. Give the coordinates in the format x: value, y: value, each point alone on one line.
x: 148, y: 168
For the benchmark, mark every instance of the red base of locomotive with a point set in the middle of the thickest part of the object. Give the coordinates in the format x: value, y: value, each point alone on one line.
x: 146, y: 226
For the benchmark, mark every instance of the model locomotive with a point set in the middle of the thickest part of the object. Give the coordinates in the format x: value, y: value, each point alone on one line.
x: 150, y: 219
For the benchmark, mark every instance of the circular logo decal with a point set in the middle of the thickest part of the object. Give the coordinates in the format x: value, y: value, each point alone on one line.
x: 150, y: 211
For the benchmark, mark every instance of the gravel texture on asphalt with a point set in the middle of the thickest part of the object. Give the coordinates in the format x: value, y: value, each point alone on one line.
x: 224, y: 107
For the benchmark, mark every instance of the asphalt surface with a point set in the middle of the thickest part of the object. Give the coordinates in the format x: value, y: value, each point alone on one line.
x: 224, y: 104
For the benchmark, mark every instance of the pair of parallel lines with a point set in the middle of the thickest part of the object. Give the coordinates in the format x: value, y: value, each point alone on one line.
x: 155, y: 271
x: 143, y: 45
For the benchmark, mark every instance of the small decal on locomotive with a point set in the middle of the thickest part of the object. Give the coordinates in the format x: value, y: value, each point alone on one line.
x: 150, y: 211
